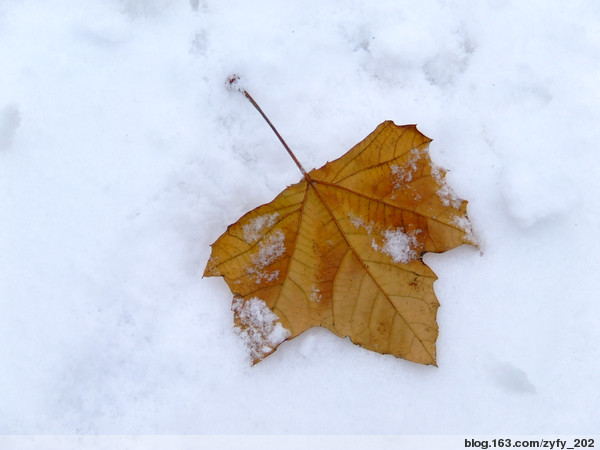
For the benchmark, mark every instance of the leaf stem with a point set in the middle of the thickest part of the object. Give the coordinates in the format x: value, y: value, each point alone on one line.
x: 289, y: 150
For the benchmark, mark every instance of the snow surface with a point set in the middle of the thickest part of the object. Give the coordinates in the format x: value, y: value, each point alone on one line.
x: 123, y: 157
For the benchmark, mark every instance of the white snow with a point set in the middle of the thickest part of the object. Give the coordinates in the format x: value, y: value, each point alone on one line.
x: 360, y: 223
x: 255, y: 229
x: 269, y: 250
x: 261, y: 330
x: 404, y: 174
x: 445, y: 192
x: 465, y: 224
x: 123, y: 156
x: 315, y: 296
x: 10, y: 119
x: 399, y: 245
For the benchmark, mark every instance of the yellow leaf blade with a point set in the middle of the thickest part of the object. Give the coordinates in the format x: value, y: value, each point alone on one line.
x: 342, y: 250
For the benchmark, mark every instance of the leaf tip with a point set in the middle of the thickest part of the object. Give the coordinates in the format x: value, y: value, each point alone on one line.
x: 423, y: 141
x: 211, y: 268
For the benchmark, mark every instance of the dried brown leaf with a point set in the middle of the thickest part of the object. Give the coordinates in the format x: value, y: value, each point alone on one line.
x: 342, y: 249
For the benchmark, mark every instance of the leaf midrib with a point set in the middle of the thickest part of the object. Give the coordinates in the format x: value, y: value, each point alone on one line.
x: 312, y: 184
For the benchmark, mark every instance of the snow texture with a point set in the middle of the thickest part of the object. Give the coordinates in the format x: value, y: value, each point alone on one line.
x: 403, y: 175
x: 259, y: 328
x: 10, y: 119
x: 269, y: 250
x: 445, y: 192
x: 123, y: 156
x: 255, y: 230
x: 315, y: 296
x: 399, y: 245
x: 360, y: 223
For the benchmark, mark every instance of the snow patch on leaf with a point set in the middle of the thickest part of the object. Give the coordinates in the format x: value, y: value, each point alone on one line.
x: 445, y: 192
x: 263, y: 277
x: 255, y: 229
x: 316, y: 295
x: 269, y: 250
x: 399, y: 245
x: 358, y: 223
x: 403, y: 175
x: 464, y: 224
x: 260, y: 328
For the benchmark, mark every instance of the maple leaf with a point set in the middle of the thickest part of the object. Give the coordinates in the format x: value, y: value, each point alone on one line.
x: 342, y: 249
